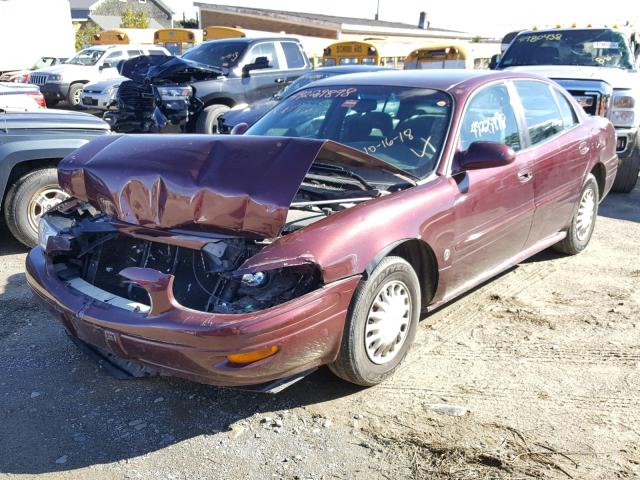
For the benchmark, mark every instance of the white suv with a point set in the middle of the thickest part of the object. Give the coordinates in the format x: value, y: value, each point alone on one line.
x: 66, y: 81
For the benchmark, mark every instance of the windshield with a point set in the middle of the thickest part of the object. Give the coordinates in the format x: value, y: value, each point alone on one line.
x: 216, y: 54
x: 403, y: 126
x: 43, y: 63
x: 597, y: 48
x: 88, y: 56
x: 303, y: 80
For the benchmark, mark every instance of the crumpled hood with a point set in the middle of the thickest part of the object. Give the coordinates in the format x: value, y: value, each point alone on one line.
x: 239, y: 185
x: 616, y: 77
x: 152, y: 68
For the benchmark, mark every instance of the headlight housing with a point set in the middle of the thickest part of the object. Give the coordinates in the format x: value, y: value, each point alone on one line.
x: 623, y: 112
x: 54, y: 77
x: 171, y: 93
x: 46, y: 230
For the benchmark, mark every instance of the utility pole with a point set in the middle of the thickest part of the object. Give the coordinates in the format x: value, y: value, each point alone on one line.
x: 378, y: 10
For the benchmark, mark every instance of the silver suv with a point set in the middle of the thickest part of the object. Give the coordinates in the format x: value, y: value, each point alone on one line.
x: 67, y: 80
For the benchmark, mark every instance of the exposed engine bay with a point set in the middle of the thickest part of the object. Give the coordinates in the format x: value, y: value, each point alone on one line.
x: 96, y: 248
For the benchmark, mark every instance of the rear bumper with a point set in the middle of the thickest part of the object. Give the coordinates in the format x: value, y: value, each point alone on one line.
x: 193, y: 344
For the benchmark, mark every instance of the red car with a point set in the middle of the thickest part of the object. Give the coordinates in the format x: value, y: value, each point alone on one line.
x: 323, y: 234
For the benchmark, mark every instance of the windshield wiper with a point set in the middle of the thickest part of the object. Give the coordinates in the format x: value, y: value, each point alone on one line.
x: 342, y: 171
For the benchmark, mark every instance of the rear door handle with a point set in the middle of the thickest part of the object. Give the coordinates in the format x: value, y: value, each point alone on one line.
x: 525, y: 176
x: 279, y: 80
x: 584, y: 148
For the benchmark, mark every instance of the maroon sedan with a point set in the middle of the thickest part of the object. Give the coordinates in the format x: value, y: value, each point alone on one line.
x: 320, y: 236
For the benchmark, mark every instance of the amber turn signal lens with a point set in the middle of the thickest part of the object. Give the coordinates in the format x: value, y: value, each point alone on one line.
x: 254, y: 356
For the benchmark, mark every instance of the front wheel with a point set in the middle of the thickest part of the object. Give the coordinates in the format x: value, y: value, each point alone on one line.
x: 583, y: 221
x: 627, y: 175
x: 75, y: 93
x: 28, y: 199
x: 381, y: 324
x: 208, y: 119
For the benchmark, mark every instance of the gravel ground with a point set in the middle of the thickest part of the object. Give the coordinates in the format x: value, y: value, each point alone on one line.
x: 534, y: 375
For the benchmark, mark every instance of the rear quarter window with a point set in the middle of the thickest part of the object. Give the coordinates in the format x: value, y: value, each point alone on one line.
x: 569, y: 116
x: 294, y: 56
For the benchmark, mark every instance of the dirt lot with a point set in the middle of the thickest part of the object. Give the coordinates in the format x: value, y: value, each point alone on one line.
x: 534, y: 375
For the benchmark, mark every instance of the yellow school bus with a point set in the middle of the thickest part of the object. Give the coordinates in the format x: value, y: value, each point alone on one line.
x: 453, y: 55
x: 177, y: 40
x: 216, y: 33
x: 123, y: 36
x: 350, y: 53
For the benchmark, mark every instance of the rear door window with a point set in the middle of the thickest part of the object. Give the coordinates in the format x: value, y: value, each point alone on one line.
x: 264, y: 50
x: 569, y: 116
x: 294, y: 56
x: 490, y: 117
x: 541, y: 111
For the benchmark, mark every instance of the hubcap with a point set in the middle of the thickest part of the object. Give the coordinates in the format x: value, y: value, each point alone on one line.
x: 76, y: 96
x: 586, y: 214
x: 43, y: 200
x: 388, y: 322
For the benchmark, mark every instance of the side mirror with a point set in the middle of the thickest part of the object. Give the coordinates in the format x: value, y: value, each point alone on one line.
x: 239, y: 129
x: 105, y: 65
x: 260, y: 63
x: 495, y: 60
x: 481, y: 155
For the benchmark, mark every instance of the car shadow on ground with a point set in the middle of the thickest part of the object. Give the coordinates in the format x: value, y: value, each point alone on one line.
x: 61, y: 411
x: 9, y: 245
x: 622, y: 206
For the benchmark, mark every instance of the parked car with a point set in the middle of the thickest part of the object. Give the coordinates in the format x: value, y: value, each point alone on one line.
x: 66, y: 81
x: 31, y: 145
x: 101, y: 94
x: 20, y: 98
x: 249, y: 114
x: 320, y: 235
x: 253, y: 69
x: 21, y: 76
x: 599, y: 67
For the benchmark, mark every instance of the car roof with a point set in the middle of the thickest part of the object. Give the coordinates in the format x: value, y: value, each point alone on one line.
x: 249, y: 40
x: 351, y: 69
x: 445, y: 80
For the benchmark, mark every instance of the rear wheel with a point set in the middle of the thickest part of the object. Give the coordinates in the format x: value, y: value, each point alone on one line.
x: 28, y: 199
x: 627, y: 175
x: 583, y: 221
x: 381, y: 324
x: 208, y: 119
x: 75, y: 92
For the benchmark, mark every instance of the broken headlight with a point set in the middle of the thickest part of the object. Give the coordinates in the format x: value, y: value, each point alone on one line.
x: 46, y: 230
x: 172, y: 93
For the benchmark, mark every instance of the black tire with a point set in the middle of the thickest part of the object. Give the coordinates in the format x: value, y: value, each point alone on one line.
x: 627, y: 175
x: 207, y: 121
x: 577, y: 239
x: 353, y: 363
x: 75, y: 92
x: 51, y: 103
x: 19, y: 199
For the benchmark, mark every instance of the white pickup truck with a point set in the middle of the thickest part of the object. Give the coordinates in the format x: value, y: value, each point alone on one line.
x: 599, y: 67
x: 66, y: 81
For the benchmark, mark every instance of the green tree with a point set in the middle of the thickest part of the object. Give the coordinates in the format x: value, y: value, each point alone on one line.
x: 476, y: 39
x: 132, y: 19
x: 85, y: 33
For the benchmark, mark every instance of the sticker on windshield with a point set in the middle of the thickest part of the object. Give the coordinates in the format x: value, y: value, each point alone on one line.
x: 326, y: 93
x: 552, y: 37
x: 349, y: 103
x: 604, y: 45
x: 491, y: 125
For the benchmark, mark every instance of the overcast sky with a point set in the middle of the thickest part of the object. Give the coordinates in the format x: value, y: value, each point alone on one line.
x: 484, y: 17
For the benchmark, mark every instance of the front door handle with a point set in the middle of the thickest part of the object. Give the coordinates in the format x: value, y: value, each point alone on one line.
x: 525, y: 176
x: 279, y: 80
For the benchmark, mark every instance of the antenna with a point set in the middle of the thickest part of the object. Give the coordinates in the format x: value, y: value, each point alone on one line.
x: 378, y: 10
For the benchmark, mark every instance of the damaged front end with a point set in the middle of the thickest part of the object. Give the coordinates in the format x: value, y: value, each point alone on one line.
x: 151, y: 260
x: 158, y: 96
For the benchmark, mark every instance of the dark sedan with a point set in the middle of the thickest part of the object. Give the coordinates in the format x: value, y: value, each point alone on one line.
x: 320, y: 237
x: 250, y: 114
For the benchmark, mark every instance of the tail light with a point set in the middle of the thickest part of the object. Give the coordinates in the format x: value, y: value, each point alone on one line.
x: 38, y: 98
